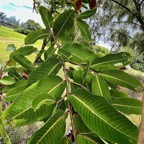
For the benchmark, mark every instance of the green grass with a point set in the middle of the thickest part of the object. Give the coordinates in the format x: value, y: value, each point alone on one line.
x: 9, y: 36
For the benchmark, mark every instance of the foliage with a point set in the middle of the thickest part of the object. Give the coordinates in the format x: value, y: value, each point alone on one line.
x: 81, y: 95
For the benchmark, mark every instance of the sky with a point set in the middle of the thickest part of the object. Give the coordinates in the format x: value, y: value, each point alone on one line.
x: 21, y: 9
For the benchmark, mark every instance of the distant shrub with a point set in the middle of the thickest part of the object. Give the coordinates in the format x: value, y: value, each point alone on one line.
x: 23, y: 30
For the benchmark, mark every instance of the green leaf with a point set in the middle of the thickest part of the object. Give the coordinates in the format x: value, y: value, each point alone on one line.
x: 33, y: 36
x: 82, y: 139
x: 122, y: 79
x: 80, y: 53
x: 43, y: 99
x: 84, y: 29
x: 11, y: 47
x: 128, y: 105
x: 86, y: 14
x: 118, y: 94
x: 52, y: 132
x: 26, y: 50
x: 49, y: 52
x: 50, y: 66
x: 80, y: 125
x: 46, y: 16
x: 50, y: 84
x: 63, y: 23
x: 111, y: 61
x: 22, y: 60
x: 29, y: 116
x: 7, y: 80
x: 100, y: 87
x: 15, y: 91
x: 102, y: 118
x: 66, y: 140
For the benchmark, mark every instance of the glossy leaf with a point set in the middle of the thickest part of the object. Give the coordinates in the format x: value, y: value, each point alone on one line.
x: 122, y: 79
x: 51, y: 84
x: 26, y: 50
x: 86, y: 14
x: 29, y: 116
x: 63, y: 23
x: 50, y: 66
x: 7, y: 80
x: 46, y: 16
x: 33, y: 36
x: 52, y: 132
x: 102, y: 118
x: 100, y: 87
x: 111, y: 61
x: 22, y: 60
x: 84, y: 29
x: 128, y: 105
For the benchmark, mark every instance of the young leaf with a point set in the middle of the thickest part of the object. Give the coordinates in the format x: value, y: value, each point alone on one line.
x: 86, y: 14
x: 33, y: 36
x: 102, y: 118
x: 111, y: 61
x: 63, y: 23
x: 50, y: 66
x: 22, y: 60
x: 46, y: 16
x: 52, y: 132
x: 84, y: 29
x: 128, y: 105
x: 122, y: 79
x: 100, y: 87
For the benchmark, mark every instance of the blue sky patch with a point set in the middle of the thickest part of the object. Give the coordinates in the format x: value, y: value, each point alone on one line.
x: 27, y: 7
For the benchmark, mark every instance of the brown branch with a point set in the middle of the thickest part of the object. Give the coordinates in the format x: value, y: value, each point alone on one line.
x: 69, y: 105
x: 141, y: 132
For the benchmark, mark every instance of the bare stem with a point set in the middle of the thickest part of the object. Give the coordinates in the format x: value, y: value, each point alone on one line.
x: 141, y: 132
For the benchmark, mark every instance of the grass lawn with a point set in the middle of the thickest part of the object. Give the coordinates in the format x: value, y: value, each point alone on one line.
x: 9, y: 36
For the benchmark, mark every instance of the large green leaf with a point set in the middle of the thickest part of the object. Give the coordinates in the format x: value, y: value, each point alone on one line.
x: 100, y: 87
x: 46, y: 16
x: 86, y: 14
x: 33, y: 36
x: 22, y: 60
x: 50, y: 66
x: 82, y: 139
x: 84, y: 29
x: 26, y: 50
x: 128, y: 105
x: 111, y: 61
x: 102, y: 118
x: 51, y: 84
x: 63, y: 23
x: 80, y: 53
x: 122, y: 79
x: 52, y: 132
x: 66, y: 140
x: 29, y: 116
